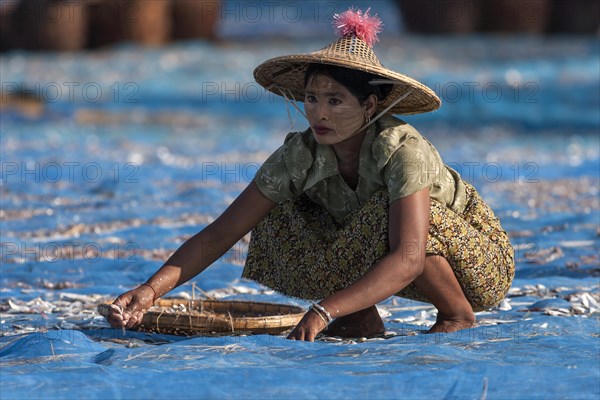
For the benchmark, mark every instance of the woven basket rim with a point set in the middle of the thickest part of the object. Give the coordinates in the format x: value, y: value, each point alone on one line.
x: 278, y: 317
x: 239, y: 304
x: 283, y: 317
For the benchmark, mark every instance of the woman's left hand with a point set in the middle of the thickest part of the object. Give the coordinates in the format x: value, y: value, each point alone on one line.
x: 308, y: 328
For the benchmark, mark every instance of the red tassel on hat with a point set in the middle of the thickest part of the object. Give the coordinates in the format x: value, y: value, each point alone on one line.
x: 354, y: 22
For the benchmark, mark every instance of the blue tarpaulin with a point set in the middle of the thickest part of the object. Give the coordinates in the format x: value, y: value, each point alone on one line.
x: 96, y: 193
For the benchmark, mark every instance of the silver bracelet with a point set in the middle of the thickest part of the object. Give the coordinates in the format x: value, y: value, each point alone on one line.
x: 311, y: 308
x: 324, y: 311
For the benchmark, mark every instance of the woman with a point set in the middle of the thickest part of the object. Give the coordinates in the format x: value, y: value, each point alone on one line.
x: 355, y: 209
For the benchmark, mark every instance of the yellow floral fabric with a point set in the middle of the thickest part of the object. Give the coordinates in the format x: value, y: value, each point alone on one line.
x: 299, y: 250
x: 393, y: 157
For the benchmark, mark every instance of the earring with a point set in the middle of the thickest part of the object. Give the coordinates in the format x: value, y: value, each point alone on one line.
x: 368, y: 119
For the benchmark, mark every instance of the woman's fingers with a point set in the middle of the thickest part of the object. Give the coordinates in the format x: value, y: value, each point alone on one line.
x: 303, y: 334
x: 133, y: 319
x: 299, y: 335
x: 307, y: 329
x: 292, y: 335
x: 116, y: 321
x: 125, y: 312
x: 114, y: 315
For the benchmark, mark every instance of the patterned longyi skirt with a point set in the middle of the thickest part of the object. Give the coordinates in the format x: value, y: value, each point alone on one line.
x: 298, y: 249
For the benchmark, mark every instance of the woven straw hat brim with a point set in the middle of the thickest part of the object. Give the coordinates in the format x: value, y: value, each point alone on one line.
x: 285, y: 75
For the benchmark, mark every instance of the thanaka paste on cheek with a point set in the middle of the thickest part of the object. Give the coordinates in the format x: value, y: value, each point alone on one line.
x: 334, y: 107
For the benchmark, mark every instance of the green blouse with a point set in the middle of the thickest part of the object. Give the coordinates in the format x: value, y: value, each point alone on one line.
x: 393, y: 156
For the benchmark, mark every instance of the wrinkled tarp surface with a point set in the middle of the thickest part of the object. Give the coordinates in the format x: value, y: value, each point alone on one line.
x: 137, y: 178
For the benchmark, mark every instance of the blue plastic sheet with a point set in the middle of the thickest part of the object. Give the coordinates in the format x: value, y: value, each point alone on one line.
x: 542, y: 358
x: 176, y: 158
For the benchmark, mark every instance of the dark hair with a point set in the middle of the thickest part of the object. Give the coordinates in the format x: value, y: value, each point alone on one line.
x: 357, y: 82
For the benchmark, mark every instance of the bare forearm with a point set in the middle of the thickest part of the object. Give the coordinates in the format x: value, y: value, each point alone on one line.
x: 204, y: 248
x: 389, y: 276
x: 193, y: 257
x: 408, y: 228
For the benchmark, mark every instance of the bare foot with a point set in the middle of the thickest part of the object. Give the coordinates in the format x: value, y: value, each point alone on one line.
x: 364, y: 323
x: 448, y: 325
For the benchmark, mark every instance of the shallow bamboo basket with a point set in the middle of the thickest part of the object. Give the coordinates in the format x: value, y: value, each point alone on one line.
x: 193, y: 317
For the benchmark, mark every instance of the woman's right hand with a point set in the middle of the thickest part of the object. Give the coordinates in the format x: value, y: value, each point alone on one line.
x: 130, y: 307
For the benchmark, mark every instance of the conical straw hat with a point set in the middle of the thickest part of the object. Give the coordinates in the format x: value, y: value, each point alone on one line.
x: 284, y: 75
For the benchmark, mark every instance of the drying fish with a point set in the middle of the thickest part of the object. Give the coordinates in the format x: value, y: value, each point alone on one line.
x: 544, y: 256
